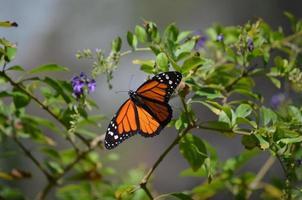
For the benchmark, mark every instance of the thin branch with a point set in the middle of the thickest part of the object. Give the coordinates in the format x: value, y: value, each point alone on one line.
x: 31, y: 156
x: 144, y: 187
x: 28, y: 153
x: 160, y: 158
x: 260, y: 175
x: 136, y: 50
x: 291, y: 37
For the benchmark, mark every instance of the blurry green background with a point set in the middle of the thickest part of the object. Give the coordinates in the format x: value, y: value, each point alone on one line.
x: 51, y: 31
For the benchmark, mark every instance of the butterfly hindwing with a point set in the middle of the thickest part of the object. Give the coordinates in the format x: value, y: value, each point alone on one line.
x: 161, y: 113
x: 149, y: 125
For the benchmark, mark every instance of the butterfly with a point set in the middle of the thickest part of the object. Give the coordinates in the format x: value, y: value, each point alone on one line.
x: 146, y: 112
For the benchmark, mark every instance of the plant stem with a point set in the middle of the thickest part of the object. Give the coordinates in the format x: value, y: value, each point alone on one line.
x: 136, y: 50
x: 260, y: 175
x: 28, y: 153
x: 31, y: 156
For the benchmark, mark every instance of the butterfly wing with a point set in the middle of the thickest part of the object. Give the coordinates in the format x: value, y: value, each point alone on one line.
x: 160, y: 87
x: 123, y: 125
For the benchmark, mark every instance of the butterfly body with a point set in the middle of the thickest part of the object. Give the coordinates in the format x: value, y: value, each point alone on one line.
x: 146, y: 112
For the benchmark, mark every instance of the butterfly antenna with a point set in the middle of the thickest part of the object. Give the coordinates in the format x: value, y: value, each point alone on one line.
x: 131, y: 78
x: 120, y: 91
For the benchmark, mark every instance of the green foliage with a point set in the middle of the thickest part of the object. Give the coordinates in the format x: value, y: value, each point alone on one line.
x: 219, y: 74
x: 194, y: 150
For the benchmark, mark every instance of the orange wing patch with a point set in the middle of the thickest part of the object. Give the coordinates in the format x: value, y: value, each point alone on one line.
x: 154, y: 90
x: 148, y: 125
x: 126, y: 118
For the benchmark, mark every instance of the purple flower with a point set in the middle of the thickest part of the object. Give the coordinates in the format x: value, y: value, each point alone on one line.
x: 91, y: 85
x: 220, y: 37
x: 250, y: 44
x: 83, y: 76
x: 200, y: 42
x: 277, y: 100
x: 79, y: 83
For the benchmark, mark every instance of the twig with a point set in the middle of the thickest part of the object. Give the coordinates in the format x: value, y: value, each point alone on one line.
x: 31, y: 156
x: 260, y: 175
x: 144, y: 187
x: 146, y: 178
x: 28, y: 153
x: 287, y: 181
x: 136, y: 50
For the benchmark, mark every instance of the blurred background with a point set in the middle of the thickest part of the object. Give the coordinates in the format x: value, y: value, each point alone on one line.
x: 52, y: 31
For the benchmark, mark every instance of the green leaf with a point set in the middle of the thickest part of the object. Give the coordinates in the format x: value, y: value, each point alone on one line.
x: 290, y: 140
x: 201, y: 172
x: 16, y: 68
x: 59, y: 88
x: 11, y: 53
x: 275, y: 81
x: 162, y: 61
x: 295, y: 113
x: 181, y: 196
x: 194, y: 150
x: 41, y: 122
x: 148, y: 69
x: 8, y: 193
x: 116, y: 44
x: 235, y: 163
x: 8, y: 24
x: 185, y: 48
x: 75, y: 191
x: 243, y: 110
x: 191, y: 63
x: 213, y: 106
x: 183, y: 35
x: 262, y: 142
x: 249, y: 141
x: 54, y: 167
x: 206, y: 190
x: 152, y: 32
x: 292, y: 19
x: 221, y: 126
x: 48, y: 68
x: 20, y: 99
x: 124, y: 191
x: 141, y: 34
x: 240, y: 120
x: 171, y: 33
x: 132, y: 40
x: 209, y: 93
x: 267, y: 116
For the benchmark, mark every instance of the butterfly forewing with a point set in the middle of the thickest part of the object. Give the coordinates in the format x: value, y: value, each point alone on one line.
x: 161, y: 86
x: 122, y: 126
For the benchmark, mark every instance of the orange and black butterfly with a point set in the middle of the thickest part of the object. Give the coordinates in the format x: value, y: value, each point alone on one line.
x: 146, y: 112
